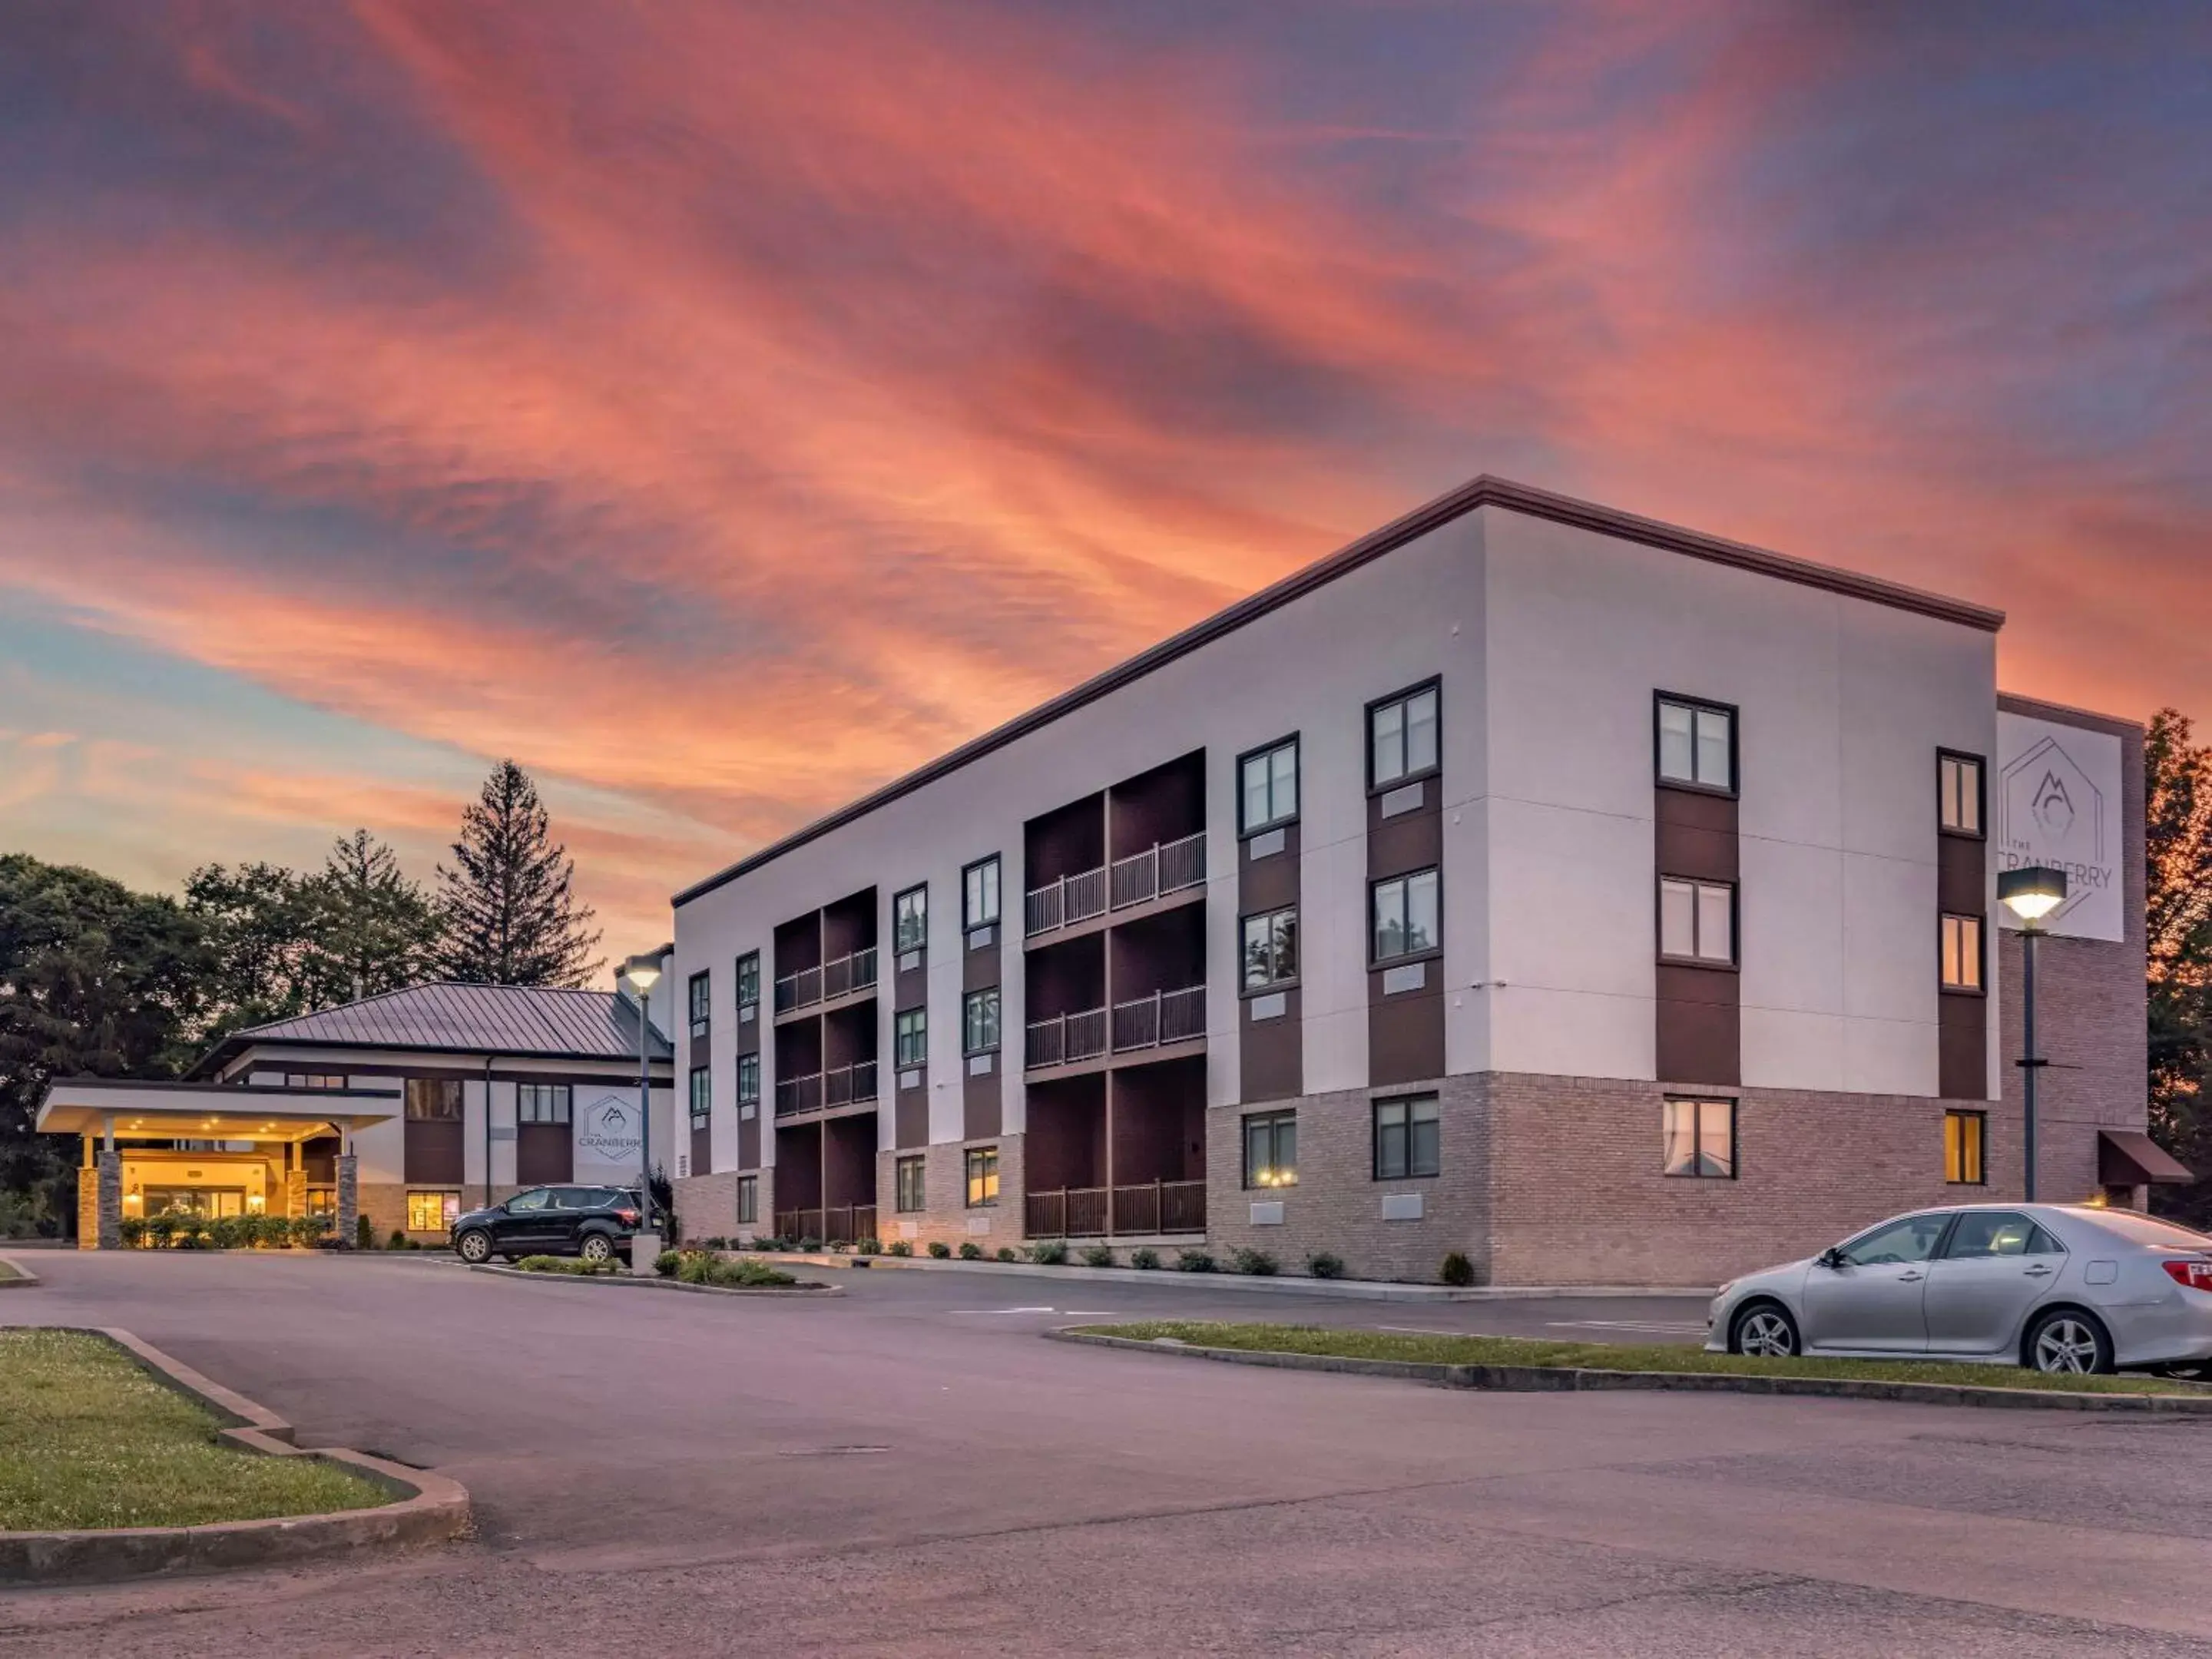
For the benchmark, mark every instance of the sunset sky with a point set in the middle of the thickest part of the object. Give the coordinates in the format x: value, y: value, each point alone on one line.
x: 721, y: 408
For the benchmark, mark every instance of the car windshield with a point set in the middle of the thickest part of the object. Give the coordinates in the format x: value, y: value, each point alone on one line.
x: 2147, y: 1230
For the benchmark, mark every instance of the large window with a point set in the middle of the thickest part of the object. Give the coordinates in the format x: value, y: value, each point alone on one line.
x: 748, y: 1198
x: 1269, y: 791
x: 543, y: 1102
x: 979, y: 895
x: 702, y: 1096
x: 908, y: 1184
x: 1959, y: 794
x: 1700, y: 1138
x: 1401, y: 737
x: 979, y: 1022
x: 910, y: 1036
x: 702, y: 995
x: 1696, y: 921
x: 1696, y: 744
x: 1407, y: 1138
x: 1271, y: 1149
x: 748, y: 984
x: 433, y: 1099
x: 910, y: 920
x: 983, y: 1177
x: 1962, y: 953
x: 1271, y: 948
x: 748, y: 1082
x: 430, y: 1212
x: 1406, y: 921
x: 1965, y: 1134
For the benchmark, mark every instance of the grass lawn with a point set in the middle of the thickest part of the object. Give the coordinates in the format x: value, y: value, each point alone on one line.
x: 87, y: 1439
x: 1604, y: 1355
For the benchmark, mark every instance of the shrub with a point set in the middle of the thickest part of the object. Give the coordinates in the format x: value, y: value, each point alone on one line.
x: 1257, y: 1263
x: 398, y: 1241
x: 161, y: 1229
x: 667, y: 1262
x: 1195, y: 1262
x: 190, y: 1237
x: 364, y: 1233
x: 704, y: 1268
x: 1145, y: 1256
x: 938, y: 1249
x: 900, y: 1246
x: 1097, y: 1255
x: 1325, y: 1264
x: 231, y: 1232
x: 971, y: 1251
x: 575, y: 1267
x: 1456, y: 1270
x: 1007, y: 1252
x: 870, y: 1247
x: 134, y: 1231
x: 310, y: 1229
x: 809, y: 1246
x: 1047, y: 1252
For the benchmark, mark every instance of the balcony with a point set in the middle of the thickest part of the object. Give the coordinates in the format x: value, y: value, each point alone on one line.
x: 1164, y: 868
x: 840, y: 1223
x: 1164, y: 1016
x: 1066, y: 1038
x: 845, y: 1085
x: 832, y: 979
x: 1156, y: 1207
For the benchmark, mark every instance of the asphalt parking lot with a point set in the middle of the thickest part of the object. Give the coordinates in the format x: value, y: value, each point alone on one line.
x: 908, y: 1469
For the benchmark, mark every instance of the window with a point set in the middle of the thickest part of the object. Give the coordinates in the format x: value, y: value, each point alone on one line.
x: 702, y: 1096
x: 1407, y: 1138
x: 1959, y: 793
x: 1965, y: 1134
x: 910, y: 920
x: 1401, y: 737
x: 436, y: 1100
x: 1983, y: 1233
x: 1271, y: 1149
x: 1696, y: 921
x: 907, y: 1182
x: 430, y: 1212
x: 313, y: 1081
x: 910, y: 1036
x: 323, y: 1201
x: 1271, y: 948
x: 1406, y: 915
x: 701, y: 994
x: 542, y: 1102
x: 1897, y: 1243
x: 1268, y: 786
x: 983, y: 1177
x: 530, y: 1203
x: 1696, y: 744
x: 1962, y: 953
x: 980, y: 1021
x: 748, y: 984
x: 979, y: 894
x: 1700, y: 1138
x: 748, y: 1198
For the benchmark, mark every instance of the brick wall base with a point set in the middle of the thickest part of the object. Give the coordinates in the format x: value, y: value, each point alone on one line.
x: 945, y: 1216
x: 707, y: 1207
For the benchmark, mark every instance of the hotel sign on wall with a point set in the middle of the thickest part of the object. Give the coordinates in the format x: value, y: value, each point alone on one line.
x: 609, y: 1138
x: 2056, y: 802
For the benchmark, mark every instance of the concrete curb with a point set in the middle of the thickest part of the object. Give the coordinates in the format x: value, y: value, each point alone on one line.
x: 23, y: 1280
x: 431, y: 1509
x: 659, y: 1284
x: 1539, y: 1379
x: 1355, y: 1290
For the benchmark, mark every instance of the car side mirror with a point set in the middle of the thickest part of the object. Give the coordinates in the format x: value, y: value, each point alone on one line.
x: 1831, y: 1257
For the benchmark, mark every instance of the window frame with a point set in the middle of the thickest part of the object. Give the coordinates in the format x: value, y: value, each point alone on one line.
x: 699, y: 991
x: 1246, y: 830
x: 1377, y: 1107
x: 314, y: 1082
x: 920, y: 890
x: 1980, y: 1161
x: 748, y: 1199
x: 1733, y: 790
x: 1427, y: 952
x: 1949, y: 987
x: 1734, y: 962
x: 560, y: 1097
x: 1947, y: 758
x: 449, y: 1208
x: 1435, y: 683
x: 1246, y: 987
x: 969, y: 925
x: 900, y: 1031
x: 1271, y: 1122
x: 917, y: 1166
x: 969, y: 1000
x: 457, y: 1097
x: 973, y: 1169
x: 1729, y: 1103
x: 745, y: 1099
x: 702, y: 1096
x: 747, y: 968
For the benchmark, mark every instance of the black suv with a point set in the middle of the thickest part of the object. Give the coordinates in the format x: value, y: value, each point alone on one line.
x: 592, y: 1222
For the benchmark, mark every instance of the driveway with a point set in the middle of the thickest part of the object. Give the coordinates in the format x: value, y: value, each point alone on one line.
x: 908, y: 1469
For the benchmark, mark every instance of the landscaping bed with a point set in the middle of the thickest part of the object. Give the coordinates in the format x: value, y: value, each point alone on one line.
x: 89, y: 1439
x: 680, y: 1270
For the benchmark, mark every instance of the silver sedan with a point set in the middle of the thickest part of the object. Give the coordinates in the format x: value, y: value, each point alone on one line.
x: 2062, y: 1287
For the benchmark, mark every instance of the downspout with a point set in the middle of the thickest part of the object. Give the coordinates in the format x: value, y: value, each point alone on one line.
x: 488, y: 1061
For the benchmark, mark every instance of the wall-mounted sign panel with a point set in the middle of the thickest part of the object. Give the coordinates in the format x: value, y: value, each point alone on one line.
x: 2056, y: 801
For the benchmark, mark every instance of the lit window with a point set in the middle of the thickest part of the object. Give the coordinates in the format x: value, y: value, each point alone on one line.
x: 983, y: 1177
x: 1270, y: 786
x: 701, y: 994
x: 980, y: 1021
x: 910, y: 1036
x: 1271, y: 948
x: 910, y: 920
x: 1696, y: 744
x: 1700, y: 1139
x: 702, y: 1096
x: 979, y: 895
x: 1959, y: 794
x: 1964, y: 1136
x: 1406, y: 922
x: 1407, y: 1138
x: 748, y: 1080
x: 909, y: 1185
x: 542, y: 1102
x: 430, y: 1212
x: 1271, y: 1149
x: 1401, y: 737
x: 748, y: 983
x: 1697, y: 921
x: 1962, y: 953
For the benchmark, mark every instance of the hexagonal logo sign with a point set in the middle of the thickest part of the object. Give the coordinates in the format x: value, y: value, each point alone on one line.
x: 2058, y: 798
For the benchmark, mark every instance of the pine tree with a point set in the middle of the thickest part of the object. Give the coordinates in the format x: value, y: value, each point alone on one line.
x: 369, y: 928
x: 510, y: 914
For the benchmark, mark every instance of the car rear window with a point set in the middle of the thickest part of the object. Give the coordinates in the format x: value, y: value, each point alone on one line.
x: 2147, y: 1230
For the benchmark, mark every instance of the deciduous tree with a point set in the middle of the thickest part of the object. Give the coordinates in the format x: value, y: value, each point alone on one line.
x: 2178, y: 857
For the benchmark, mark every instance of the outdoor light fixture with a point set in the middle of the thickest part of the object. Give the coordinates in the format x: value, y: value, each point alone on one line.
x: 2030, y: 894
x: 641, y: 972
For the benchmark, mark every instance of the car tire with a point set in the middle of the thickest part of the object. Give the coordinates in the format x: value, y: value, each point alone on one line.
x: 473, y: 1247
x: 2066, y: 1342
x: 597, y: 1246
x: 1765, y: 1330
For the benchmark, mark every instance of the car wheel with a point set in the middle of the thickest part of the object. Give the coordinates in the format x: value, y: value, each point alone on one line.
x: 2067, y: 1342
x: 1765, y: 1329
x: 473, y: 1247
x: 597, y: 1246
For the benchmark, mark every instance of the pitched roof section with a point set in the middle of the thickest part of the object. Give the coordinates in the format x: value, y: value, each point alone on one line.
x: 1483, y: 491
x: 514, y: 1020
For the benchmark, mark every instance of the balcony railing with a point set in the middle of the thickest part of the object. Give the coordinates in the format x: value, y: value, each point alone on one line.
x: 1067, y: 1038
x: 840, y: 1223
x: 1158, y: 1206
x: 1064, y: 902
x: 840, y: 1086
x: 843, y: 976
x: 1163, y: 1016
x: 1167, y: 867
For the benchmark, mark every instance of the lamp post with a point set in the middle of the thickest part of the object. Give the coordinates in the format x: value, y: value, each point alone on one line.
x: 2030, y: 894
x: 640, y: 973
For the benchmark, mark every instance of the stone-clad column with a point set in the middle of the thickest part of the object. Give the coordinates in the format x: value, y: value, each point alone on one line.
x: 110, y: 1200
x: 349, y: 1198
x: 87, y: 1207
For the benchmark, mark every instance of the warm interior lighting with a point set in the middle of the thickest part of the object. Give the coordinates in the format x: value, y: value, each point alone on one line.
x: 2031, y: 893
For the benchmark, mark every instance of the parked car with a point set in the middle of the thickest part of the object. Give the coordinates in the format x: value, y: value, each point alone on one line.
x: 2060, y: 1287
x: 592, y: 1222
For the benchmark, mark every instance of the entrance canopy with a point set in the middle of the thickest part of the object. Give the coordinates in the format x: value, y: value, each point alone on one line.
x: 206, y: 1111
x: 2129, y: 1158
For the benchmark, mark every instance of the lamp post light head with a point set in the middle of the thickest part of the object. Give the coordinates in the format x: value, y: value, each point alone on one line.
x: 2033, y: 893
x: 641, y: 972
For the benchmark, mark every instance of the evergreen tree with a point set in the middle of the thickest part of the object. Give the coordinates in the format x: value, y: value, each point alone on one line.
x: 511, y: 915
x: 255, y: 918
x: 369, y: 928
x: 2178, y: 856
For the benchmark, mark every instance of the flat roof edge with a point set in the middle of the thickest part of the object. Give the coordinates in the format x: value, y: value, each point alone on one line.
x: 2018, y: 703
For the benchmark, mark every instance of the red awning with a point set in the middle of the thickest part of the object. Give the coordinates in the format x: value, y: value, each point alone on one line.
x: 2129, y: 1158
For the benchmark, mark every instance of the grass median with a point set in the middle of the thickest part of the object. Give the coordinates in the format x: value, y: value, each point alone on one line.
x: 1445, y: 1350
x: 90, y: 1440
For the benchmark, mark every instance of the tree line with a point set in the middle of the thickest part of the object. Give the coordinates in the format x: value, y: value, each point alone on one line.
x: 97, y: 979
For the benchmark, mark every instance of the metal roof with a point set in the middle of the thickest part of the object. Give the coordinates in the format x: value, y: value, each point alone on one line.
x: 515, y: 1020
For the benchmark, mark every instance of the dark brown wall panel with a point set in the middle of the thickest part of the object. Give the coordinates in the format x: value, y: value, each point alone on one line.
x: 749, y: 1140
x: 1696, y: 836
x: 1701, y: 1026
x: 433, y: 1155
x: 1406, y: 1032
x: 1271, y: 1052
x: 910, y: 1120
x: 798, y: 1167
x: 1963, y: 1051
x: 1411, y: 841
x: 544, y: 1152
x: 982, y: 1107
x: 1961, y: 874
x: 703, y: 1150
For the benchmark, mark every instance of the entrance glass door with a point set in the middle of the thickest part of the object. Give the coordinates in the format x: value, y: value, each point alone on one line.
x: 208, y: 1201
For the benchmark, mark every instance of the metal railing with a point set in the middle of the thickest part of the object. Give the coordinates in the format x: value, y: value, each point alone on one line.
x: 1163, y: 1016
x: 840, y: 1086
x: 1066, y: 902
x: 839, y: 1223
x: 1154, y: 1207
x: 855, y: 971
x: 1168, y: 866
x: 1067, y: 1038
